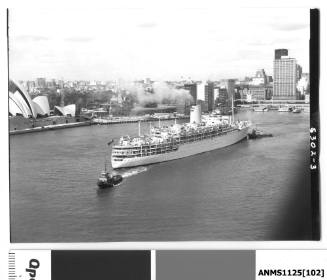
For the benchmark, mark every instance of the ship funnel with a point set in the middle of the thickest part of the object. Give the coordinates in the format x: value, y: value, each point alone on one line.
x: 195, y: 114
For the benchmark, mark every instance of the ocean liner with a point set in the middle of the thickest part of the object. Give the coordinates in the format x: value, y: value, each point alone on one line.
x: 203, y: 133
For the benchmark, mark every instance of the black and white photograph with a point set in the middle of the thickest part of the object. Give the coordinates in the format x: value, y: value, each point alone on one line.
x: 160, y: 125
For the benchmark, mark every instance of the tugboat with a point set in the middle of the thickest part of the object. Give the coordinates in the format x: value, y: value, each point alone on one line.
x: 255, y: 134
x: 108, y: 179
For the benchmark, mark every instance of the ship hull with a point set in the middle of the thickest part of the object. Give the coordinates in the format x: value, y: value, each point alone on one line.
x: 186, y: 150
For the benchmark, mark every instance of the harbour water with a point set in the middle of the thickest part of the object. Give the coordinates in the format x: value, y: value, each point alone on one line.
x: 253, y: 190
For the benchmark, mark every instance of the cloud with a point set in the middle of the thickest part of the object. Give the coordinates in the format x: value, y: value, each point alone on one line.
x: 163, y: 46
x: 260, y: 43
x: 147, y: 25
x: 289, y: 26
x: 250, y: 54
x: 79, y: 39
x: 31, y: 38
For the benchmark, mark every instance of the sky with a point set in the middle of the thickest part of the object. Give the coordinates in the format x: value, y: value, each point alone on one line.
x: 162, y: 44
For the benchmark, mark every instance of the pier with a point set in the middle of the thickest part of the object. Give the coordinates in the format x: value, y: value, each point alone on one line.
x: 272, y: 102
x: 106, y: 121
x: 49, y: 127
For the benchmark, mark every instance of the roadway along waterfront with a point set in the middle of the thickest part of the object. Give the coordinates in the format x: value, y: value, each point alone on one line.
x: 253, y: 190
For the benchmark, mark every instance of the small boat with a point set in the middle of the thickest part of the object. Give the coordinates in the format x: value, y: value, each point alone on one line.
x: 260, y: 109
x: 297, y: 110
x: 109, y: 180
x: 272, y: 107
x: 284, y: 109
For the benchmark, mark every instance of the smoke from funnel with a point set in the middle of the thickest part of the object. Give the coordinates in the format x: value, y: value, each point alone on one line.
x: 161, y: 92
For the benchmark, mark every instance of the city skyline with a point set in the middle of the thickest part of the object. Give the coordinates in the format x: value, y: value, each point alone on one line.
x: 163, y: 45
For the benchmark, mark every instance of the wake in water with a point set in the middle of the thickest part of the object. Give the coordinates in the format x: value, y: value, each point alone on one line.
x: 133, y: 171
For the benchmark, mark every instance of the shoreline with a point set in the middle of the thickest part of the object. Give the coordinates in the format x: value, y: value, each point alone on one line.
x: 97, y: 121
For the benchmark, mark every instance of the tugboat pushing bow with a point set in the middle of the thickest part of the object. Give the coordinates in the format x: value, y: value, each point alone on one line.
x: 107, y: 179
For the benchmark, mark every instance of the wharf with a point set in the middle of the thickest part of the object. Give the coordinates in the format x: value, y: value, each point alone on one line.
x: 50, y: 127
x: 131, y: 120
x: 87, y: 123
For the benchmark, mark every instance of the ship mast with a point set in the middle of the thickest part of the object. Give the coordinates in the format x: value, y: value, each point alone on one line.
x: 105, y: 156
x: 139, y: 128
x: 232, y: 108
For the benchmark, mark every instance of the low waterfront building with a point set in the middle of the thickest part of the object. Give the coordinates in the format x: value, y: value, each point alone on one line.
x: 260, y: 78
x: 260, y: 92
x: 254, y: 93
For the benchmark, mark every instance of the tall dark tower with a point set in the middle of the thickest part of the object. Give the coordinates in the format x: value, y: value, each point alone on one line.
x: 62, y: 98
x: 191, y: 87
x: 209, y: 96
x: 280, y: 52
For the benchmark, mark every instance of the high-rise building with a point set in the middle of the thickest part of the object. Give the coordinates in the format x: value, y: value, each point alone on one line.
x: 280, y: 52
x: 303, y: 85
x: 223, y: 96
x: 209, y: 96
x: 215, y: 92
x: 41, y: 82
x: 30, y: 85
x: 193, y: 92
x: 200, y: 91
x: 284, y: 78
x: 229, y: 85
x: 183, y: 106
x: 61, y: 83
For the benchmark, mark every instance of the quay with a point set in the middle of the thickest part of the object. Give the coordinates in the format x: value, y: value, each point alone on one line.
x: 274, y: 103
x: 50, y: 127
x: 22, y: 126
x: 33, y: 126
x: 105, y: 121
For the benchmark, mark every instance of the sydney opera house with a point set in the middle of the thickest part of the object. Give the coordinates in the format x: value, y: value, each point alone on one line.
x: 21, y: 104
